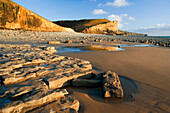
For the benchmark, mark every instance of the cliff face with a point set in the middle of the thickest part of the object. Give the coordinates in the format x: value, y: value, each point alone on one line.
x: 14, y: 16
x: 102, y: 28
x: 96, y: 26
x: 81, y: 25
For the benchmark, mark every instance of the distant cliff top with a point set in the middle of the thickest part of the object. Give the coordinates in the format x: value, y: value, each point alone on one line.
x: 96, y: 26
x: 80, y: 25
x: 14, y: 16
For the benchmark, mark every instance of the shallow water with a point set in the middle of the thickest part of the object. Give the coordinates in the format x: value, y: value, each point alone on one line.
x: 66, y: 49
x: 139, y: 45
x: 5, y: 102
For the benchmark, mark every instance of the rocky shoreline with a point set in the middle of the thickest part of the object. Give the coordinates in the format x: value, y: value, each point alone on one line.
x: 34, y: 74
x: 36, y: 77
x: 32, y: 37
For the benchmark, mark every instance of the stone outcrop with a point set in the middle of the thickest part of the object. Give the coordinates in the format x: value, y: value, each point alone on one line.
x: 102, y: 28
x: 35, y: 99
x: 35, y: 62
x: 14, y: 16
x: 111, y: 85
x: 32, y: 74
x: 66, y: 104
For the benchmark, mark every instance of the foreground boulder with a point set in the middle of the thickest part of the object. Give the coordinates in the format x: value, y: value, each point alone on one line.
x: 111, y: 85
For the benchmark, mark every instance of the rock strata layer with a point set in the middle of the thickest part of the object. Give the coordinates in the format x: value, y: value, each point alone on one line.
x: 111, y: 85
x: 35, y: 99
x: 14, y: 16
x: 32, y: 74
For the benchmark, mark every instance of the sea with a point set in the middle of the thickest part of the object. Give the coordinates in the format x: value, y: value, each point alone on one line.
x: 161, y: 36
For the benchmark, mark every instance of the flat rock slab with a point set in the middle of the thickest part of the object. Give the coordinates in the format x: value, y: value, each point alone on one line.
x: 65, y: 104
x: 33, y: 100
x: 111, y: 85
x: 23, y: 62
x: 32, y: 74
x: 86, y: 83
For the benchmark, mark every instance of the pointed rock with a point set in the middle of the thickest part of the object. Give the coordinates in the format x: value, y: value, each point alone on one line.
x: 111, y: 85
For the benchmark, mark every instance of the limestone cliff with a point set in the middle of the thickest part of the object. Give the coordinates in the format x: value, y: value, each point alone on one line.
x: 89, y: 25
x: 14, y: 16
x: 102, y: 28
x: 96, y: 26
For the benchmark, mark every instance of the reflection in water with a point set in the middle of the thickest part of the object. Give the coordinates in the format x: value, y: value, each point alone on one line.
x: 118, y: 47
x: 5, y: 102
x: 139, y: 45
x: 66, y: 49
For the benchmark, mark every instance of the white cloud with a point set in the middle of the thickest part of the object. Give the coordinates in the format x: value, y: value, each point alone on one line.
x: 122, y: 18
x: 131, y: 18
x: 120, y: 25
x: 158, y: 29
x: 119, y: 18
x: 157, y: 26
x: 118, y: 3
x: 160, y: 25
x: 99, y: 5
x: 99, y: 12
x: 123, y: 15
x: 115, y: 17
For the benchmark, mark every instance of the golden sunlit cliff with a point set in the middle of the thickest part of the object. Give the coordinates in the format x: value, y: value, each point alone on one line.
x: 14, y: 16
x: 96, y: 26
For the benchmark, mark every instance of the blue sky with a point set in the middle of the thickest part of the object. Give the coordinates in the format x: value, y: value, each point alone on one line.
x: 144, y: 16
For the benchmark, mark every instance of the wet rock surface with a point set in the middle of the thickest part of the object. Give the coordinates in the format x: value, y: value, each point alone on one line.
x: 25, y: 37
x: 32, y: 74
x: 33, y: 100
x: 111, y: 85
x: 32, y: 69
x: 66, y: 104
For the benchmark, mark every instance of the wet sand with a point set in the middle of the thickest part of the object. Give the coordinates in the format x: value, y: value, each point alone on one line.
x: 146, y: 67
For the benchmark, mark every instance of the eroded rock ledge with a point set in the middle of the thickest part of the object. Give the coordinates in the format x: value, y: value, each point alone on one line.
x: 32, y: 75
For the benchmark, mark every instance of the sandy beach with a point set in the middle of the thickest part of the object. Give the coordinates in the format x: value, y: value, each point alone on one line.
x: 143, y: 71
x: 84, y: 56
x: 147, y: 67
